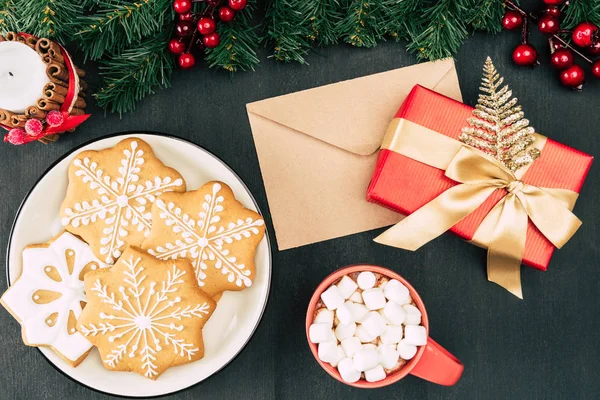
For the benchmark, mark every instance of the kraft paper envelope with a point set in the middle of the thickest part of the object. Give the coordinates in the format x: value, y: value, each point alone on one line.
x: 317, y: 150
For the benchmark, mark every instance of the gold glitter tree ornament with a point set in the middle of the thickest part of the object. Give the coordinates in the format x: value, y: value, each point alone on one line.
x: 498, y: 126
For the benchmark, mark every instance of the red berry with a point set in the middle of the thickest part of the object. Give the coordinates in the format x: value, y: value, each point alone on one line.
x: 596, y: 69
x: 55, y: 118
x: 594, y: 49
x: 582, y: 34
x: 184, y: 28
x: 206, y: 25
x: 186, y: 60
x: 176, y: 46
x: 238, y: 5
x: 573, y: 76
x: 553, y: 2
x: 226, y: 14
x: 182, y: 6
x: 553, y: 10
x: 512, y: 20
x: 548, y: 25
x: 16, y: 136
x: 189, y: 16
x: 212, y: 40
x: 524, y: 55
x: 562, y: 59
x: 33, y: 127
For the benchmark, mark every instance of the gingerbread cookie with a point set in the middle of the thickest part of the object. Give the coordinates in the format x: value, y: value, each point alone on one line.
x: 212, y: 229
x: 110, y: 194
x: 145, y: 315
x: 49, y: 295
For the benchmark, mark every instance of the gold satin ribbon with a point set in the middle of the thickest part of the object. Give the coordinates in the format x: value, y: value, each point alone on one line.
x: 504, y: 228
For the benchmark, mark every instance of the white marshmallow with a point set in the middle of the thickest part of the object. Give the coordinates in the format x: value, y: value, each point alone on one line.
x: 344, y: 313
x: 332, y: 298
x: 319, y: 333
x: 369, y: 346
x: 415, y: 335
x: 365, y: 359
x: 388, y: 355
x: 359, y: 311
x: 343, y: 331
x: 347, y: 286
x: 340, y: 356
x: 413, y: 315
x: 375, y: 374
x: 363, y: 335
x: 374, y: 323
x: 394, y: 313
x: 351, y: 346
x: 392, y: 334
x: 324, y: 316
x: 406, y: 351
x: 374, y: 298
x: 356, y: 297
x: 366, y: 280
x: 398, y: 293
x: 328, y: 351
x: 347, y: 370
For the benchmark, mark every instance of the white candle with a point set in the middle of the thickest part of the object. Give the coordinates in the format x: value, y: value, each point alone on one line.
x: 22, y: 76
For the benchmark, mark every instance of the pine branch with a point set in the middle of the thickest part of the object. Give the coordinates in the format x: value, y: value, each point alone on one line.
x: 238, y: 43
x: 486, y: 15
x: 398, y: 15
x: 325, y: 16
x: 579, y: 11
x: 361, y: 27
x: 135, y: 73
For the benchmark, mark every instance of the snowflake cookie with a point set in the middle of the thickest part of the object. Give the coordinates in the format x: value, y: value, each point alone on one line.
x: 110, y: 194
x: 49, y: 295
x: 145, y: 315
x: 212, y: 229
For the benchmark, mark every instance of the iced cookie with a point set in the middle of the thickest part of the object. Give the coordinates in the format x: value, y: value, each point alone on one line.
x: 110, y: 195
x: 213, y: 230
x: 49, y: 295
x: 145, y: 315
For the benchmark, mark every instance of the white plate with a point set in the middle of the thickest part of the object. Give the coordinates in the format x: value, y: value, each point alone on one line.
x: 237, y: 314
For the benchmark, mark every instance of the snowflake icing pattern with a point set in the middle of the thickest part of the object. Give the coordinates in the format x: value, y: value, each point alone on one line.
x: 123, y: 201
x: 204, y: 239
x: 139, y: 319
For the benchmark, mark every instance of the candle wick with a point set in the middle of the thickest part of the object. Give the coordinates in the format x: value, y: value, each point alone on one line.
x: 10, y: 73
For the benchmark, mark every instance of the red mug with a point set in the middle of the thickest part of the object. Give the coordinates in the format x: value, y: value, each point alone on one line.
x: 432, y: 362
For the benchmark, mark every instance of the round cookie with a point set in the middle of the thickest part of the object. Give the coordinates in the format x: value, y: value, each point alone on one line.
x: 49, y: 295
x: 145, y: 315
x: 213, y: 230
x: 110, y: 195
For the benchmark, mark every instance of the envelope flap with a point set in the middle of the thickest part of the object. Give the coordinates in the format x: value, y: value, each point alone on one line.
x: 353, y: 114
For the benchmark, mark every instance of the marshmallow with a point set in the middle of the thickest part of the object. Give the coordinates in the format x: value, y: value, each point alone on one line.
x: 415, y: 335
x: 343, y: 331
x: 351, y: 346
x: 388, y: 355
x: 375, y: 374
x: 319, y: 333
x: 347, y: 370
x: 366, y: 280
x: 347, y: 286
x: 382, y: 282
x: 328, y: 351
x: 340, y: 356
x: 363, y: 335
x: 406, y: 351
x: 332, y: 298
x: 365, y: 359
x: 374, y: 298
x: 394, y: 313
x: 374, y: 323
x: 356, y: 297
x: 324, y: 316
x: 398, y: 293
x: 392, y: 334
x: 413, y: 315
x: 369, y: 346
x: 359, y: 311
x: 344, y: 313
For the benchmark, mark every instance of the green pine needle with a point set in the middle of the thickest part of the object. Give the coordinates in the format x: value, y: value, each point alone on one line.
x: 579, y: 11
x: 486, y: 15
x: 361, y: 26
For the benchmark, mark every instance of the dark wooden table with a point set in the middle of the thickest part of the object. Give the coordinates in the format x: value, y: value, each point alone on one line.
x: 545, y: 347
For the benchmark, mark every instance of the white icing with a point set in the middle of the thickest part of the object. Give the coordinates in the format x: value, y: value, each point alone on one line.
x: 138, y: 314
x: 35, y: 317
x: 205, y: 239
x: 121, y: 201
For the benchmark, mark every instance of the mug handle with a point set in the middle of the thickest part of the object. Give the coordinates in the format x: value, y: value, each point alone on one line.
x: 437, y: 365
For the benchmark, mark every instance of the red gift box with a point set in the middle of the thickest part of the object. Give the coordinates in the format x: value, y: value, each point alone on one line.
x: 405, y: 185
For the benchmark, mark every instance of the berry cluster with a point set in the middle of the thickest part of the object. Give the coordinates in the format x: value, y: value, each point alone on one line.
x: 199, y: 29
x: 585, y: 36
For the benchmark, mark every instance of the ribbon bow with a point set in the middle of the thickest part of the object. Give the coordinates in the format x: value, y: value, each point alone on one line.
x: 480, y: 175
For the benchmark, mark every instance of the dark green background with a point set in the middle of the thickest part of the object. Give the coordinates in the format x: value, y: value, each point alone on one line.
x: 545, y: 347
